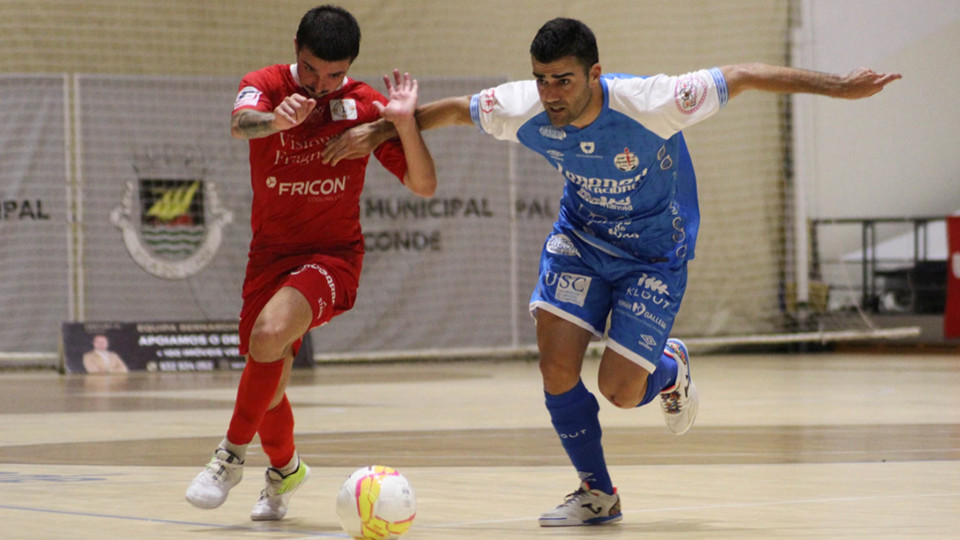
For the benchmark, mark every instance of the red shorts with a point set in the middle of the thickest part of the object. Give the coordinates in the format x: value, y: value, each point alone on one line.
x: 328, y: 282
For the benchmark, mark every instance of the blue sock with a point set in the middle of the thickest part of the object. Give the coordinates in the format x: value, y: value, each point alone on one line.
x: 663, y: 377
x: 575, y: 417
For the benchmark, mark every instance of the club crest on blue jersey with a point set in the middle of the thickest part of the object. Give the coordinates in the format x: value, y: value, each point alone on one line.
x: 626, y: 161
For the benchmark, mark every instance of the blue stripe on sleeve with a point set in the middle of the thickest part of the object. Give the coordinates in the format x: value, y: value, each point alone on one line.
x: 475, y: 111
x: 721, y: 85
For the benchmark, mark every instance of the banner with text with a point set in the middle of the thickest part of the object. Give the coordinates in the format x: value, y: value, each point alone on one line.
x: 120, y: 347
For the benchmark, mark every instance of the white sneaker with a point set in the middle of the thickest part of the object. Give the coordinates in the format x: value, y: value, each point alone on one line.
x: 209, y: 489
x: 584, y: 506
x: 680, y: 402
x: 276, y: 495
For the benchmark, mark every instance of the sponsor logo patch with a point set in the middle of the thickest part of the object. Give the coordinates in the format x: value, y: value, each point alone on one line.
x: 488, y: 98
x: 551, y: 132
x: 248, y: 97
x: 343, y: 109
x: 572, y: 288
x: 690, y: 93
x: 626, y: 161
x: 560, y: 244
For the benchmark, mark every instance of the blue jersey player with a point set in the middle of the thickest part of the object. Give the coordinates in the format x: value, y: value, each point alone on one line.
x: 627, y: 225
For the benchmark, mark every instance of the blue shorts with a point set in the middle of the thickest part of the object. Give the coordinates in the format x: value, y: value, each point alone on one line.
x: 586, y: 284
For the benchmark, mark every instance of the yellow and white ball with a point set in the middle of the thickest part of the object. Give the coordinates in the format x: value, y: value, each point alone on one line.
x: 376, y: 503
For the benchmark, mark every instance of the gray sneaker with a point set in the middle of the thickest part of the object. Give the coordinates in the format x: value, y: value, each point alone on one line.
x: 275, y: 497
x: 680, y: 402
x: 584, y: 506
x: 209, y: 489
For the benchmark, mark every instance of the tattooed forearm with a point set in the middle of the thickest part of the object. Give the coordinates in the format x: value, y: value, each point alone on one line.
x: 249, y: 124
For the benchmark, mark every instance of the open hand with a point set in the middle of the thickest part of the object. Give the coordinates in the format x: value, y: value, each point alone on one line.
x: 402, y: 92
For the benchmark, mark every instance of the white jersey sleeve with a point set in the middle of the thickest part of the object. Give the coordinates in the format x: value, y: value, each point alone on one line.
x: 501, y: 111
x: 664, y: 104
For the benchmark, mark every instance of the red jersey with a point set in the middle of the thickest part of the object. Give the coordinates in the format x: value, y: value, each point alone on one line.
x: 302, y: 207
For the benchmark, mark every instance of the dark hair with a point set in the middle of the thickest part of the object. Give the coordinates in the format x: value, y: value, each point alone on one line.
x: 560, y: 38
x: 330, y: 33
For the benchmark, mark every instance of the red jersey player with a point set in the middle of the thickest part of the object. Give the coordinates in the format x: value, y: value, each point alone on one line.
x: 307, y: 248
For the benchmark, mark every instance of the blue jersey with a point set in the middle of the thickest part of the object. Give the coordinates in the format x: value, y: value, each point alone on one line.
x: 630, y: 188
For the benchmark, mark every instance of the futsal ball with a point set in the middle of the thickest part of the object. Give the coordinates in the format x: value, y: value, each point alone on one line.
x: 376, y: 502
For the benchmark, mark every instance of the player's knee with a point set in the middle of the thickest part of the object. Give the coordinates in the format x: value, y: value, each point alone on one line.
x: 557, y: 378
x: 267, y: 342
x: 620, y: 394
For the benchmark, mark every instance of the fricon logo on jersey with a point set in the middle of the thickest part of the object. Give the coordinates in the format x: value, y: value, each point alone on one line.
x: 343, y: 109
x: 626, y: 161
x: 690, y: 93
x: 248, y: 97
x: 319, y: 187
x: 172, y: 227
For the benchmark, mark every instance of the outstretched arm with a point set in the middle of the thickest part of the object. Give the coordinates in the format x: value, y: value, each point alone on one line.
x: 421, y: 176
x: 857, y: 84
x: 361, y: 140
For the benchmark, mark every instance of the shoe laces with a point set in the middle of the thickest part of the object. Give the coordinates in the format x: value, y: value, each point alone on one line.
x: 274, y: 482
x: 574, y: 497
x: 219, y: 467
x: 671, y: 402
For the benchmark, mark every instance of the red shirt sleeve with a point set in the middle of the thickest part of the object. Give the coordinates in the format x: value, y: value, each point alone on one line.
x: 390, y: 155
x: 257, y: 91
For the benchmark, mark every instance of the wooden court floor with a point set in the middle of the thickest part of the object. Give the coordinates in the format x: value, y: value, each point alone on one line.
x: 790, y: 446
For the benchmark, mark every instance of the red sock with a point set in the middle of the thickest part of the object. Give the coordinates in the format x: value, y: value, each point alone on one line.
x: 258, y: 384
x: 276, y: 434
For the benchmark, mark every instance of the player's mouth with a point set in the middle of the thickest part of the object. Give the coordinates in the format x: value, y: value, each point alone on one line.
x: 314, y: 94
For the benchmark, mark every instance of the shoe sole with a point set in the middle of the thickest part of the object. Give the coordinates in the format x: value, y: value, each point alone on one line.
x: 563, y: 522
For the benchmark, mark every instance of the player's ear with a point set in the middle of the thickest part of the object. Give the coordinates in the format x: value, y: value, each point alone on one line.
x: 594, y: 73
